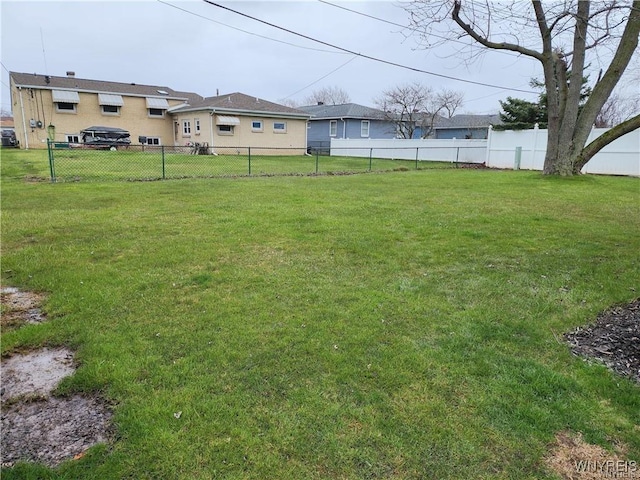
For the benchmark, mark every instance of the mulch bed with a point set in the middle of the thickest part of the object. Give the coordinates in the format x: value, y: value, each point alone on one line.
x: 613, y: 340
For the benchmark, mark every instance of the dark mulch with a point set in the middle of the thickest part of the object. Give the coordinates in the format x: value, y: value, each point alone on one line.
x: 613, y: 340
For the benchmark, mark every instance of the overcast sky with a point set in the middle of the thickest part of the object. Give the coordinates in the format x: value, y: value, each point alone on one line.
x: 193, y: 46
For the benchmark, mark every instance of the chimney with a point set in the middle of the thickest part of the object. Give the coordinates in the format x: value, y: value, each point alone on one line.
x: 71, y: 74
x: 47, y: 79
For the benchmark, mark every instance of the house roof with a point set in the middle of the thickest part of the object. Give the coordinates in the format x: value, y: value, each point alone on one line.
x: 240, y: 103
x: 49, y: 82
x: 345, y: 110
x: 6, y: 122
x: 470, y: 121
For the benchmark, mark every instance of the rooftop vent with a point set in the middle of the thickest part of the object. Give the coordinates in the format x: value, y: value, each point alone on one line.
x: 71, y: 74
x: 320, y: 103
x: 162, y: 92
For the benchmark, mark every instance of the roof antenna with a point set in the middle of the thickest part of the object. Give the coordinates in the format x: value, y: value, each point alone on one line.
x: 44, y: 55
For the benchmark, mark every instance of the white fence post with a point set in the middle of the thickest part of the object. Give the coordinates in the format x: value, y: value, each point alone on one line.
x: 488, y: 152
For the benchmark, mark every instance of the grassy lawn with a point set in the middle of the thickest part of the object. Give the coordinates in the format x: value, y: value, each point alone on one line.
x: 90, y: 165
x: 404, y: 325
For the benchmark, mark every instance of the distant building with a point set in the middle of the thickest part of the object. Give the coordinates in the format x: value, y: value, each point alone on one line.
x: 60, y: 108
x: 6, y: 123
x: 466, y: 126
x: 348, y: 120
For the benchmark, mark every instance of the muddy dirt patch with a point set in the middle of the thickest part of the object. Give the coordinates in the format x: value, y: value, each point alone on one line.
x: 37, y: 427
x: 614, y: 340
x: 52, y: 431
x: 574, y: 459
x: 19, y: 308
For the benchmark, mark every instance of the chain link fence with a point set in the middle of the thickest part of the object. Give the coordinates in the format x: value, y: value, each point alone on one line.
x: 77, y: 162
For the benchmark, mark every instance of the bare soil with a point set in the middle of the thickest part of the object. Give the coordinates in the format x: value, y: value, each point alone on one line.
x: 614, y: 340
x: 19, y: 308
x: 36, y: 425
x: 572, y: 458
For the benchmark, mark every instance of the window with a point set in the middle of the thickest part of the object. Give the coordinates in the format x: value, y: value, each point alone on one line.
x: 225, y: 129
x: 73, y: 138
x: 153, y: 141
x: 280, y: 127
x: 186, y: 128
x: 65, y: 100
x: 333, y: 128
x: 156, y: 112
x: 256, y: 126
x: 66, y: 107
x: 364, y: 128
x: 110, y: 110
x: 196, y: 123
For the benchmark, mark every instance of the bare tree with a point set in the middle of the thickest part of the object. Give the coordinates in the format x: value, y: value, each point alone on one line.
x: 450, y: 101
x: 413, y: 105
x: 564, y: 36
x: 328, y: 96
x: 289, y: 102
x: 616, y: 110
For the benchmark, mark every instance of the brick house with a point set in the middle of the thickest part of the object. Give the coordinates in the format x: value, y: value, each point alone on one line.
x: 59, y: 108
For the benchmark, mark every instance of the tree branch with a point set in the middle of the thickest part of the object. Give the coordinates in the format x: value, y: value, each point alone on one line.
x: 605, y: 139
x: 455, y: 14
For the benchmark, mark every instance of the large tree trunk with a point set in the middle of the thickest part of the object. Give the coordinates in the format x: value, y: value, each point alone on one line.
x: 568, y: 153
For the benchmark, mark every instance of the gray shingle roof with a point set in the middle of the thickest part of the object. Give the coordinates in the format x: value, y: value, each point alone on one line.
x: 241, y: 103
x: 346, y: 110
x: 471, y: 121
x: 99, y: 86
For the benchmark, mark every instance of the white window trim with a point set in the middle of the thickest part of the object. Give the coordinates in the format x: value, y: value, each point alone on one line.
x: 149, y: 141
x: 362, y: 128
x: 186, y: 128
x: 113, y: 114
x: 229, y: 133
x: 196, y: 123
x: 257, y: 129
x: 279, y: 130
x: 72, y: 137
x: 65, y: 110
x: 333, y: 128
x: 150, y: 115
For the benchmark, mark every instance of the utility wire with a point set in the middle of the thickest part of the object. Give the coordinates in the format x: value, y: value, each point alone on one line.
x: 368, y: 57
x: 405, y: 27
x: 241, y: 30
x: 323, y: 77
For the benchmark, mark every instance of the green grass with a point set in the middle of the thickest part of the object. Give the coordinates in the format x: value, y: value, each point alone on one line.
x: 91, y: 165
x: 399, y: 326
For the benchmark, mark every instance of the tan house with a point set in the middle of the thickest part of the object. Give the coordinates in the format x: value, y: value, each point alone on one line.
x: 239, y: 120
x: 59, y: 108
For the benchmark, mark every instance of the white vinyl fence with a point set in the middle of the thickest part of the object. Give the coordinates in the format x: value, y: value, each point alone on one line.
x: 463, y: 151
x: 621, y: 157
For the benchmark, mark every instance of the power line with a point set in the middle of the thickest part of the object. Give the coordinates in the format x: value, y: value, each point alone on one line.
x: 241, y: 30
x: 323, y: 77
x: 405, y: 27
x: 368, y: 57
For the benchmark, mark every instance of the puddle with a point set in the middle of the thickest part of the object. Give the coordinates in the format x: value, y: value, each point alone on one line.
x: 37, y: 427
x: 36, y: 373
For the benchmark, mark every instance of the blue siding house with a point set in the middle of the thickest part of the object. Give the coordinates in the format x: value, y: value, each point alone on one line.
x: 348, y: 120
